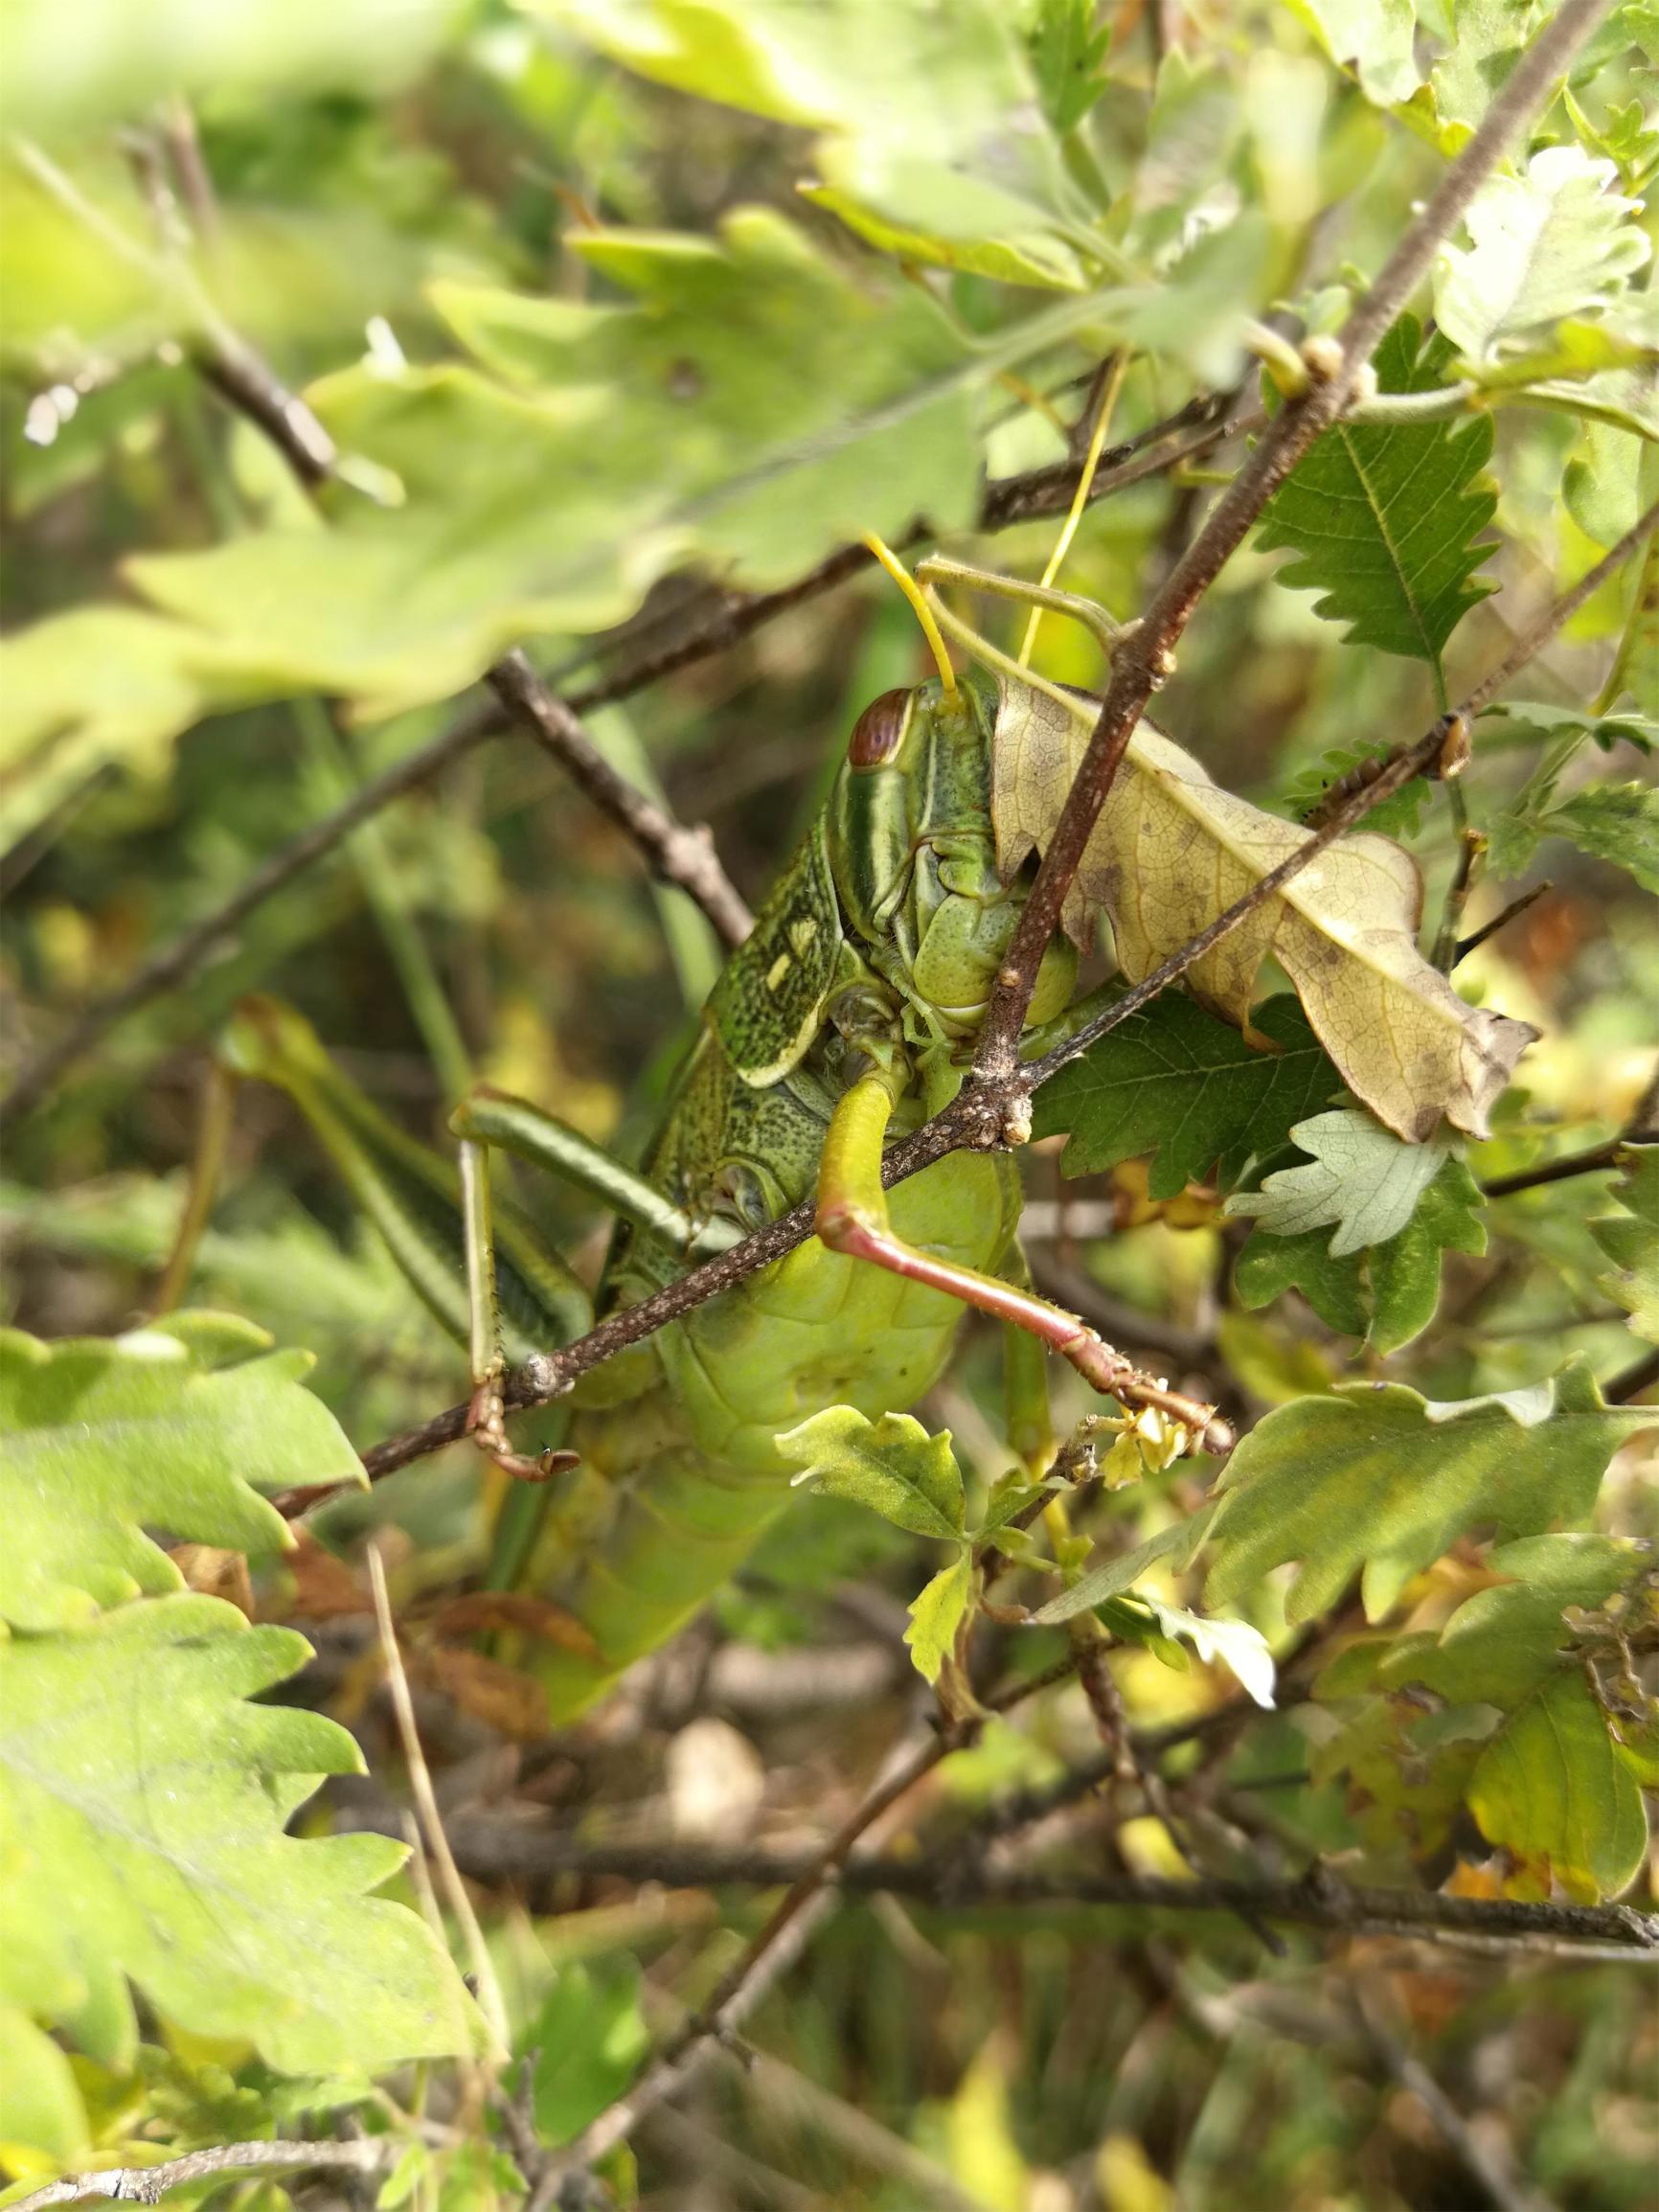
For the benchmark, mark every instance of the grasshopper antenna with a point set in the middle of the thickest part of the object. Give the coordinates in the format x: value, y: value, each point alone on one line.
x: 920, y: 606
x: 1079, y: 498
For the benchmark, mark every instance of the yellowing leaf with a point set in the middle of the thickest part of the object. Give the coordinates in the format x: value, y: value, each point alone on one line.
x: 935, y: 1614
x: 1171, y: 850
x: 1552, y: 1786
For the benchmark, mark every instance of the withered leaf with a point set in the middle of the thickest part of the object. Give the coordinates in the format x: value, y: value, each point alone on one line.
x: 1171, y: 850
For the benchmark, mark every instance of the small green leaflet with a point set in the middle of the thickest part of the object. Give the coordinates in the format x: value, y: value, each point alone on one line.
x: 1552, y: 1786
x: 1068, y: 54
x: 1121, y: 1573
x: 1630, y: 1239
x: 1617, y: 822
x: 1233, y: 1643
x: 168, y: 1428
x: 1176, y: 1083
x: 891, y: 1466
x: 142, y: 1799
x: 589, y: 2039
x: 935, y: 1614
x: 1378, y: 1481
x: 1393, y: 817
x: 1374, y: 37
x: 1556, y: 242
x: 1360, y: 1176
x: 1386, y: 1293
x: 1383, y: 517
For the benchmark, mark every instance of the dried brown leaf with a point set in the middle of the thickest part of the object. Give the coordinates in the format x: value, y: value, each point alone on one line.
x: 1171, y: 850
x: 532, y: 1617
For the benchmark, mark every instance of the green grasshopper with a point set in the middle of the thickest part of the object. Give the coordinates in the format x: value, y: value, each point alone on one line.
x: 847, y: 1017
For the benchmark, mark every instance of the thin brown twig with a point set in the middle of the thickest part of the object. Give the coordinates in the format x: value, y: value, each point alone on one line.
x: 501, y: 1849
x: 1585, y: 1163
x: 1476, y: 938
x: 149, y: 2184
x: 1490, y: 2168
x: 678, y: 854
x: 1148, y: 657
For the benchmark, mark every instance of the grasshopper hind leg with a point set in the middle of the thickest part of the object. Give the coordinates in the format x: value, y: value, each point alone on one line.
x: 853, y: 1218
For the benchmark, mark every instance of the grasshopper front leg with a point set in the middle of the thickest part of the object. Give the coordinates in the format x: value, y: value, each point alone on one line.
x: 489, y: 1118
x: 486, y: 1357
x: 853, y: 1218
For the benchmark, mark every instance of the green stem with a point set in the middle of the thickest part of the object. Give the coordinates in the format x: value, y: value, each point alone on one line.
x: 1643, y: 607
x: 384, y: 892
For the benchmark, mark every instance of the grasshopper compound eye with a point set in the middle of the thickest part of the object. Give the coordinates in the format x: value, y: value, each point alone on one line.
x: 877, y: 731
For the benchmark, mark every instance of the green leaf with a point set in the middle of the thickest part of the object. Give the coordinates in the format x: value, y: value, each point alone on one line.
x: 1121, y: 1573
x: 1484, y: 39
x: 1552, y: 1789
x: 1174, y: 1083
x: 1374, y: 37
x: 56, y: 83
x: 1378, y: 1481
x: 106, y: 1438
x: 928, y: 117
x: 1360, y: 1176
x: 1068, y: 50
x: 935, y: 1615
x: 142, y: 1799
x: 1393, y: 817
x: 754, y: 404
x: 1556, y: 242
x: 1616, y: 822
x: 1386, y: 1293
x: 1383, y: 517
x: 1630, y: 1239
x: 1503, y: 1643
x: 41, y: 2107
x: 589, y: 2039
x: 891, y: 1466
x: 96, y: 687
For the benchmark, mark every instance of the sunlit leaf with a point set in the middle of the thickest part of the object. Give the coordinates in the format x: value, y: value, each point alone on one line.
x: 1378, y: 1481
x: 1359, y: 1177
x: 1386, y: 1293
x: 1374, y: 37
x: 589, y: 2038
x: 1554, y: 242
x: 935, y: 1615
x: 61, y: 75
x: 893, y: 1466
x: 1552, y: 1787
x: 168, y: 1428
x: 930, y: 117
x: 142, y: 1804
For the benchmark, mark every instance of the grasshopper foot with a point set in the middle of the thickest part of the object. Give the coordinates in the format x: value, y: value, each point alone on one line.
x: 487, y: 1426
